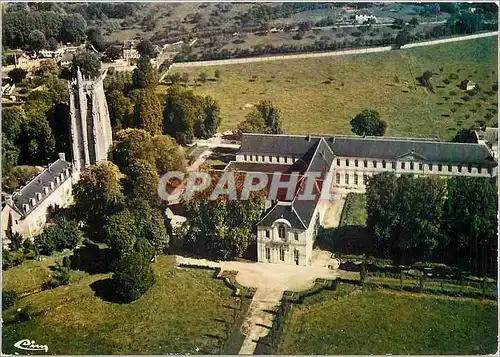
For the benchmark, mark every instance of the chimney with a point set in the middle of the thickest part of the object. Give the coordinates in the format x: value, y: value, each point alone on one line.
x: 62, y: 156
x: 9, y: 200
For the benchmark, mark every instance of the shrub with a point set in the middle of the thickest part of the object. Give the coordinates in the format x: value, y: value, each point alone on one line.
x: 133, y: 274
x: 466, y: 98
x: 453, y: 110
x: 453, y: 76
x: 446, y: 81
x: 9, y: 298
x: 452, y: 93
x: 11, y: 259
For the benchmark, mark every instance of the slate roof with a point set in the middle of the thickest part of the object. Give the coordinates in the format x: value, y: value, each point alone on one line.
x: 25, y: 194
x: 300, y: 213
x: 364, y: 12
x: 268, y: 144
x: 391, y: 149
x: 279, y: 210
x: 256, y: 167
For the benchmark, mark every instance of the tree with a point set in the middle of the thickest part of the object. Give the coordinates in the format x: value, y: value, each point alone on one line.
x: 202, y: 77
x: 146, y: 48
x: 161, y: 151
x: 10, y: 154
x: 402, y: 38
x: 36, y: 142
x: 17, y: 75
x: 47, y: 67
x: 15, y: 241
x: 470, y: 217
x: 133, y: 275
x: 211, y: 118
x: 12, y: 121
x: 141, y: 181
x: 121, y: 234
x: 73, y: 29
x: 37, y: 40
x: 114, y: 53
x: 150, y: 224
x: 120, y: 110
x: 88, y: 62
x: 414, y: 21
x: 144, y: 75
x: 94, y: 36
x: 264, y: 118
x: 98, y: 194
x: 271, y: 116
x: 65, y: 234
x: 223, y: 228
x: 168, y: 155
x: 465, y: 136
x: 368, y: 122
x: 148, y: 111
x: 182, y: 109
x: 253, y: 123
x: 399, y: 23
x: 405, y: 215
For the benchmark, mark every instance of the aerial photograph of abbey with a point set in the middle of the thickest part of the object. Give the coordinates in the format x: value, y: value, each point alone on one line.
x: 249, y: 178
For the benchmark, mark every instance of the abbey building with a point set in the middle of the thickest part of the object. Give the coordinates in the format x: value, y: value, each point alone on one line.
x: 287, y: 232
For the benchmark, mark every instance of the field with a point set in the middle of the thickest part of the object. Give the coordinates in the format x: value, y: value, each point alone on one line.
x: 322, y: 95
x: 184, y: 312
x: 385, y: 322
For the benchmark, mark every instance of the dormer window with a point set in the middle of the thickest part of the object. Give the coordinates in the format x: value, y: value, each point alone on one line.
x: 412, y: 165
x: 33, y: 202
x: 26, y: 208
x: 52, y: 185
x: 38, y: 196
x: 356, y: 163
x: 281, y: 231
x: 46, y: 191
x: 58, y: 180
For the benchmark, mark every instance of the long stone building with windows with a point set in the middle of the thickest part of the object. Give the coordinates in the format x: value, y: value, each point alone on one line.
x: 287, y: 232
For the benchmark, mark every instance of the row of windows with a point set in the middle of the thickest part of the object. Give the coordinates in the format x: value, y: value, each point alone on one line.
x: 263, y: 158
x: 412, y: 165
x: 356, y: 179
x: 282, y: 254
x: 281, y: 233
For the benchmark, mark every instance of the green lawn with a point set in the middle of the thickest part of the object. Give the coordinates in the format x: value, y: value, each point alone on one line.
x: 309, y: 105
x: 183, y: 311
x: 354, y: 211
x: 385, y: 322
x: 30, y: 276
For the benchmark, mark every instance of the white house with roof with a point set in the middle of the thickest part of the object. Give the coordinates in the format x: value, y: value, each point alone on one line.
x: 286, y: 233
x: 364, y: 15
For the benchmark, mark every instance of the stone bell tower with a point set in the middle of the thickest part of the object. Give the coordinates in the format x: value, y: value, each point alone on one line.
x: 90, y: 129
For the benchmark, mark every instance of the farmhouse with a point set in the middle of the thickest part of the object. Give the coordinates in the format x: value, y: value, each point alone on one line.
x: 288, y: 230
x: 467, y: 85
x: 66, y: 59
x: 130, y: 50
x: 364, y: 15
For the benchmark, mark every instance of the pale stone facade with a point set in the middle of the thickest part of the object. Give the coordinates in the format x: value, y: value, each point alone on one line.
x: 26, y: 211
